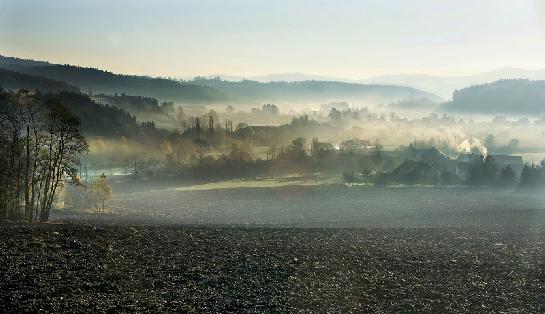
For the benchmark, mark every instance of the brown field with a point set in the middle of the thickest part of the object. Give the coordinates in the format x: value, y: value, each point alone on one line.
x: 88, y: 268
x: 237, y: 249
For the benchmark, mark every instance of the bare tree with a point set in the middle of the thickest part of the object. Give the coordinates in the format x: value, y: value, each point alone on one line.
x: 43, y: 143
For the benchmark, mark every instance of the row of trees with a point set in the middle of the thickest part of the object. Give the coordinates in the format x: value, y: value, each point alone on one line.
x: 484, y: 173
x: 533, y: 175
x: 489, y: 174
x: 41, y: 143
x: 298, y: 156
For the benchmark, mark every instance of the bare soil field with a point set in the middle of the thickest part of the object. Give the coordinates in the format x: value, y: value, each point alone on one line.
x: 92, y: 267
x: 283, y: 249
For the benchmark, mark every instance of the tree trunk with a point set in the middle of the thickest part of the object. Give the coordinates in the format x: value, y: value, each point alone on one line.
x: 27, y: 174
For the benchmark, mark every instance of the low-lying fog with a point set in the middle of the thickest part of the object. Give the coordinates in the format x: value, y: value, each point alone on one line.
x: 452, y: 134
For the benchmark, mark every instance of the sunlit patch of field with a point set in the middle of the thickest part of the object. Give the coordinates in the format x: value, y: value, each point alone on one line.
x: 257, y: 152
x: 261, y: 182
x: 281, y: 202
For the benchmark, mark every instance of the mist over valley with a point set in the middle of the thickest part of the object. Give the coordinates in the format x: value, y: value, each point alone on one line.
x: 256, y: 157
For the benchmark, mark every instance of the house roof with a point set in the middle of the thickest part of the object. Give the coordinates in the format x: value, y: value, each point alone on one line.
x: 468, y: 158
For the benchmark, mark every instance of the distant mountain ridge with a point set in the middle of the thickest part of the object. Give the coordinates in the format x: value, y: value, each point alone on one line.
x: 99, y: 81
x: 505, y: 96
x: 443, y: 86
x: 314, y: 91
x: 282, y: 77
x: 213, y: 91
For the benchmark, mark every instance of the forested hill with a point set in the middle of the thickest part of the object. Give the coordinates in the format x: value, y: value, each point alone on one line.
x: 99, y: 81
x: 18, y: 63
x: 213, y: 91
x: 104, y: 120
x: 132, y: 104
x: 501, y: 97
x: 313, y: 91
x: 11, y: 80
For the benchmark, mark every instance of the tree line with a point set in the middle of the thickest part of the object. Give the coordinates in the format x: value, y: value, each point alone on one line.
x: 41, y: 141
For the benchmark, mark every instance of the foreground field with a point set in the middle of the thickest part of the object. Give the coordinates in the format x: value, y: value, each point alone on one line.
x: 89, y: 267
x: 233, y: 247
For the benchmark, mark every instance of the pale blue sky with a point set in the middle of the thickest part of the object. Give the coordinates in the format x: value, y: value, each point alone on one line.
x: 352, y: 39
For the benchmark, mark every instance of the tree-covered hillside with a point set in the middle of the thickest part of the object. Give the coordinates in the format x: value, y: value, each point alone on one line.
x: 524, y: 97
x: 312, y: 91
x: 130, y: 103
x: 104, y: 120
x: 99, y: 81
x: 213, y: 91
x: 11, y: 80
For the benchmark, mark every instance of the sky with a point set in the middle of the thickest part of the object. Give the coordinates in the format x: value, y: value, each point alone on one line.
x: 352, y: 38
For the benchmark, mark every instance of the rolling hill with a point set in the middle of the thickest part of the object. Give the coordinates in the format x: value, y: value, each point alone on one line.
x: 313, y: 91
x: 99, y: 81
x: 213, y: 91
x: 520, y: 97
x: 444, y: 86
x: 11, y: 80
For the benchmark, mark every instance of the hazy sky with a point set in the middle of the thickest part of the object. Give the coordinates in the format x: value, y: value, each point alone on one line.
x: 350, y: 38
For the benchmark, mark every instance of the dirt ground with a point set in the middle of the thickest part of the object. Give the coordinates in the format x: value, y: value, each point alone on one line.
x: 89, y: 267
